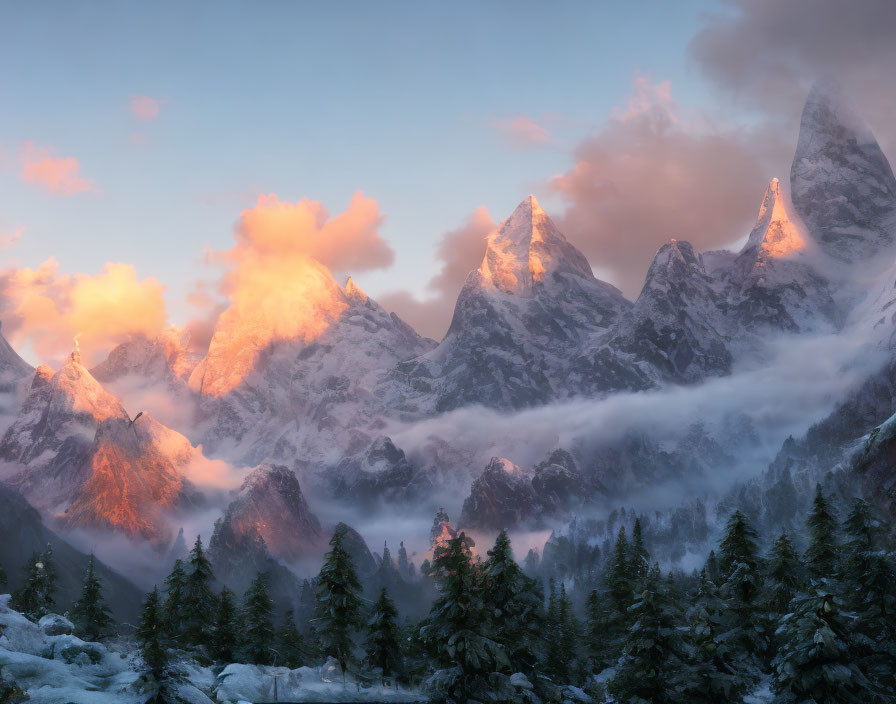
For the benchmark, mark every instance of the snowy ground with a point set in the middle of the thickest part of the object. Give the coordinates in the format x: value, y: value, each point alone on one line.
x: 54, y: 667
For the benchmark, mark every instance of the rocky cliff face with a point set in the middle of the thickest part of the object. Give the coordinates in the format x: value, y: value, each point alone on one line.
x: 842, y: 185
x: 518, y: 322
x: 271, y: 507
x: 74, y: 453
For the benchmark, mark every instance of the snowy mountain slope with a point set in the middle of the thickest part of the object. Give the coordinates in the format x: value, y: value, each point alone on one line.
x: 841, y: 184
x: 73, y: 452
x: 308, y: 395
x: 162, y: 359
x: 675, y: 332
x: 14, y: 374
x: 518, y: 322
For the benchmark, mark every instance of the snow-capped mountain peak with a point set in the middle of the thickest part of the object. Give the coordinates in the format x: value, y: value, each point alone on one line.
x: 526, y: 247
x: 774, y: 235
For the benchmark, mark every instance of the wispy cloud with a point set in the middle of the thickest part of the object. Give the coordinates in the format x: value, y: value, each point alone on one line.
x: 145, y: 108
x: 522, y: 132
x: 57, y: 175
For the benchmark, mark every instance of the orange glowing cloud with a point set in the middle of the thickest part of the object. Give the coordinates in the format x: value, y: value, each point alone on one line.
x: 279, y: 284
x: 47, y: 310
x: 348, y: 241
x: 144, y: 108
x: 58, y: 175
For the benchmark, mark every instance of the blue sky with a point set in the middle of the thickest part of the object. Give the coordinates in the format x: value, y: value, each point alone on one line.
x: 399, y: 100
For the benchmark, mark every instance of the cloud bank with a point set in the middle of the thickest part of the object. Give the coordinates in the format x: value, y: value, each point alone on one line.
x: 46, y: 309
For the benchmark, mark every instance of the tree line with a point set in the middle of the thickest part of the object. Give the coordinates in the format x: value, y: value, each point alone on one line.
x: 820, y: 626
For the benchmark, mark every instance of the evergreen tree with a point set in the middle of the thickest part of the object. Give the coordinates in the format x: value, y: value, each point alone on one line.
x: 869, y: 576
x: 89, y: 613
x: 531, y: 562
x: 198, y: 598
x: 34, y: 598
x: 3, y: 577
x: 620, y: 576
x: 555, y: 666
x: 226, y: 634
x: 713, y: 671
x: 814, y: 663
x: 600, y: 650
x: 172, y: 612
x: 712, y: 568
x: 784, y: 576
x: 455, y: 632
x: 338, y: 611
x: 822, y: 555
x: 654, y: 649
x: 383, y: 637
x: 738, y: 546
x: 403, y: 567
x: 568, y: 634
x: 150, y: 639
x: 639, y: 558
x: 293, y: 652
x: 259, y: 628
x: 741, y: 588
x: 514, y: 607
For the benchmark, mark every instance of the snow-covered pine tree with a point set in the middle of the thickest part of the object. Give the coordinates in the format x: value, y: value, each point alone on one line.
x: 814, y: 662
x: 712, y: 671
x: 455, y: 631
x: 34, y: 598
x: 293, y: 652
x: 741, y: 571
x: 785, y: 577
x: 151, y: 639
x: 654, y: 648
x: 868, y: 578
x: 823, y: 554
x: 384, y: 638
x: 226, y: 634
x: 338, y: 609
x: 89, y: 613
x: 198, y: 598
x: 259, y: 625
x: 515, y: 617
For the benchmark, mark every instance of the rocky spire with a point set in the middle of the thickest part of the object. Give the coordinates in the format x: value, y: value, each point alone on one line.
x: 525, y: 248
x: 841, y: 183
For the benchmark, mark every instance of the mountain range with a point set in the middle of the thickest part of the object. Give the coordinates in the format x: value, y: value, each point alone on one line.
x: 312, y: 406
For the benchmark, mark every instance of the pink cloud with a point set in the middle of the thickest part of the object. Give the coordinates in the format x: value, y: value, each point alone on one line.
x: 647, y: 175
x: 144, y: 108
x: 459, y: 252
x: 522, y: 132
x: 58, y: 175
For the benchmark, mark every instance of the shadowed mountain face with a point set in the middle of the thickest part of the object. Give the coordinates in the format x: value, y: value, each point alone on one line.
x: 842, y: 184
x: 25, y: 534
x: 518, y: 322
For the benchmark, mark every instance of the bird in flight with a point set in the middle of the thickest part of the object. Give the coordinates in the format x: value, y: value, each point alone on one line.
x: 131, y: 423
